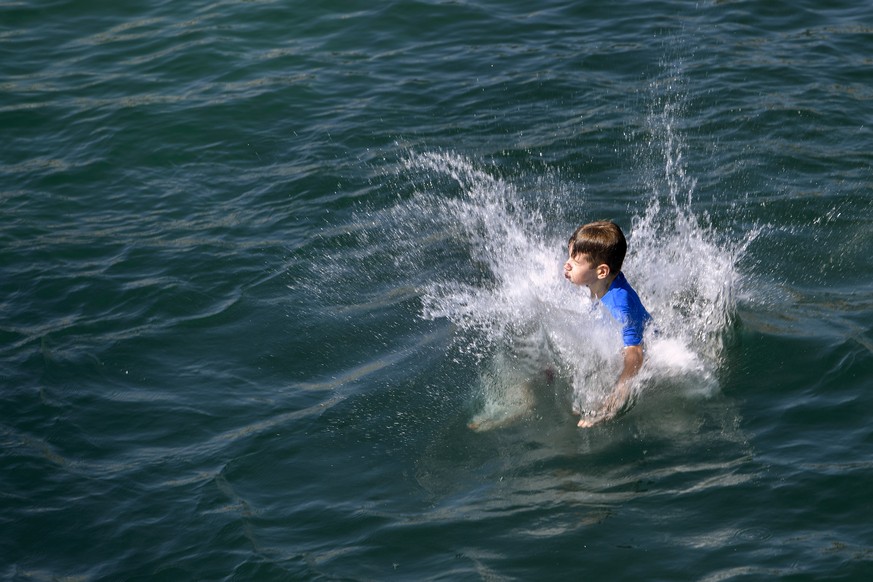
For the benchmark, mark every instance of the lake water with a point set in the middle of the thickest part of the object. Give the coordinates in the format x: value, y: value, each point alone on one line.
x: 264, y: 262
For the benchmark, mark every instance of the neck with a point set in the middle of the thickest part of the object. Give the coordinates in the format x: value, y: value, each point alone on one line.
x: 600, y: 288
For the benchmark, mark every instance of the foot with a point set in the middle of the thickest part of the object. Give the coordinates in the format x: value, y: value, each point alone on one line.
x: 483, y: 424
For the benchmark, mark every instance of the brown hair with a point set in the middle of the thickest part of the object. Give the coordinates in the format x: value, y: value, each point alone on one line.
x: 602, y: 242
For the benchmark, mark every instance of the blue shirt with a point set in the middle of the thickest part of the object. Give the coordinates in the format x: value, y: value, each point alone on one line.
x: 625, y: 306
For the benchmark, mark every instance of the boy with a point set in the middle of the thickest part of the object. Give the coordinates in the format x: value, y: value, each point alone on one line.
x: 597, y: 252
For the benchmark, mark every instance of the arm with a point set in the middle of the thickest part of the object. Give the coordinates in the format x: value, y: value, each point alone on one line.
x: 620, y: 396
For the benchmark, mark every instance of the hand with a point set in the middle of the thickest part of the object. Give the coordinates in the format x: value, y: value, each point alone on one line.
x: 619, y: 399
x: 592, y: 418
x: 614, y: 404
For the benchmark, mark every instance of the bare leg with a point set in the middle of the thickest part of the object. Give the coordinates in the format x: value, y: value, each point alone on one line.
x: 525, y: 402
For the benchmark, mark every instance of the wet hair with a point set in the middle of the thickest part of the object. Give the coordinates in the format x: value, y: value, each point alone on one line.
x: 602, y: 242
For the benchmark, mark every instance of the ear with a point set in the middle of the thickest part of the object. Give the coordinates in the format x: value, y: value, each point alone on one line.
x: 602, y: 271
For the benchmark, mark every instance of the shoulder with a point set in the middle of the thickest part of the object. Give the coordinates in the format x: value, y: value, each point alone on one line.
x: 622, y: 299
x: 619, y: 293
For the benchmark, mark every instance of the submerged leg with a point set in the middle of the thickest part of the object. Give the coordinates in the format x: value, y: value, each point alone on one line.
x: 497, y: 416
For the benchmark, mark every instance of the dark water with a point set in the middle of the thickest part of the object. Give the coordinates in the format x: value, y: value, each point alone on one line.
x: 263, y: 261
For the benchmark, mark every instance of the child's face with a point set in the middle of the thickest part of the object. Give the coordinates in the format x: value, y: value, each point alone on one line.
x: 580, y: 271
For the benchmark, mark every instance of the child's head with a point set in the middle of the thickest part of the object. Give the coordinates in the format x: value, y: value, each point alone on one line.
x: 600, y: 243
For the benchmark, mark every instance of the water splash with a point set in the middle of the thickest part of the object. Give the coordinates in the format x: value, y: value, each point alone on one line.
x: 491, y: 253
x: 496, y: 261
x: 688, y: 269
